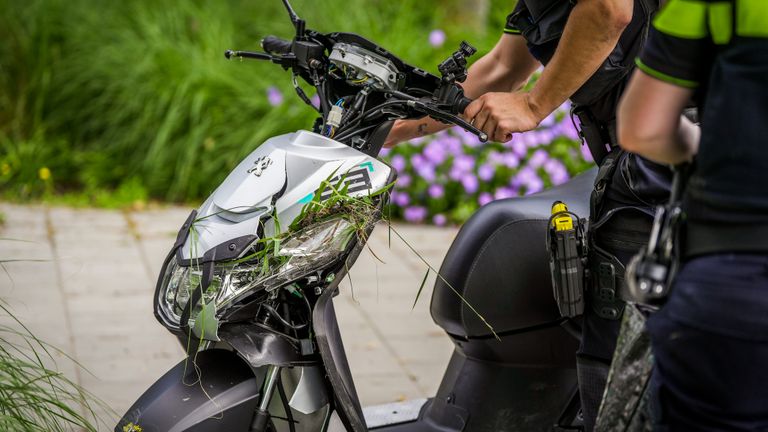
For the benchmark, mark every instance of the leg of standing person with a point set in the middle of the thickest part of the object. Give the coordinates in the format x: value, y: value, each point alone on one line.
x: 710, y: 343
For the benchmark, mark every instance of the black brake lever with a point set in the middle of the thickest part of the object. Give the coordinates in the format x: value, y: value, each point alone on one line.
x: 248, y: 54
x: 448, y: 118
x: 284, y: 60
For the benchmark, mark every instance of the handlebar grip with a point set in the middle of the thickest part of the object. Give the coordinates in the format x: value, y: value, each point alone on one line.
x: 274, y: 44
x: 462, y: 104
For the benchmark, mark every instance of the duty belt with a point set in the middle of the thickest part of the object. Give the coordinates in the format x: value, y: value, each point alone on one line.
x: 712, y: 238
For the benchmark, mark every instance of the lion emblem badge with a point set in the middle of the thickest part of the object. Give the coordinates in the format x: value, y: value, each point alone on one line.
x: 260, y: 165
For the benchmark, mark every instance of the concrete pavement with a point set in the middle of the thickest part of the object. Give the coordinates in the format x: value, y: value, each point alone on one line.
x: 89, y: 292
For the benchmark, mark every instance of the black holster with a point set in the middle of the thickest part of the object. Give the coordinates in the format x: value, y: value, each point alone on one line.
x: 598, y: 136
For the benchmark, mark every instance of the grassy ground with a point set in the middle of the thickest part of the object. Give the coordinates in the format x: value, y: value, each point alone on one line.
x: 117, y: 103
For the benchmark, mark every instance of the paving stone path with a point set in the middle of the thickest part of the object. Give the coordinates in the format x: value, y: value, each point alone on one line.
x: 86, y: 280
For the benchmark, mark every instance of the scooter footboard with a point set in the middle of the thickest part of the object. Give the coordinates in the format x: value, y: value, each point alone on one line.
x: 219, y: 392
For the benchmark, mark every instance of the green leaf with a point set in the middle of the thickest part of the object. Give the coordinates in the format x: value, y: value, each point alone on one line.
x: 421, y: 287
x: 206, y: 324
x: 382, y: 190
x: 455, y: 291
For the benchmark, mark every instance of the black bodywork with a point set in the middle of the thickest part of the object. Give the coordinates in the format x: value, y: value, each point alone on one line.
x: 523, y: 377
x: 221, y: 397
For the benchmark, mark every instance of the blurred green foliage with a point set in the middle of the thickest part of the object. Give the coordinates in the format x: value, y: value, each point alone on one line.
x: 136, y: 96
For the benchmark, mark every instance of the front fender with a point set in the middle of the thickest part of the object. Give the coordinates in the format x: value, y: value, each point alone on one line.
x: 222, y: 397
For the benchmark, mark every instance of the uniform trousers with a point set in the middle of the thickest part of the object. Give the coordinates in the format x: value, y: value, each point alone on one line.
x: 710, y: 345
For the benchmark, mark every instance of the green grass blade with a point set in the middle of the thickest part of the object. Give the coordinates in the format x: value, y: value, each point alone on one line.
x: 455, y: 291
x: 421, y: 287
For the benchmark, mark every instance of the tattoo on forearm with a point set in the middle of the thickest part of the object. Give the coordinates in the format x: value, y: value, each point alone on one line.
x: 422, y: 129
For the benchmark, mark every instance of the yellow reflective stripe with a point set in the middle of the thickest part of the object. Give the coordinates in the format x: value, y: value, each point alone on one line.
x: 509, y: 30
x: 661, y: 76
x: 752, y: 18
x: 685, y: 19
x: 721, y: 22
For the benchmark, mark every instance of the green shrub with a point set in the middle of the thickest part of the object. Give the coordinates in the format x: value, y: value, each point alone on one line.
x: 34, y: 395
x: 137, y: 96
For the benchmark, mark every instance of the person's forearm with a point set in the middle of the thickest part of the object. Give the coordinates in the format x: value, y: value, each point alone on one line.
x: 592, y: 32
x: 675, y: 148
x: 505, y: 68
x: 650, y: 122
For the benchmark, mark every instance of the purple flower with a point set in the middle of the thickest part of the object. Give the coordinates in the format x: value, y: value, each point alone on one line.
x: 436, y: 38
x: 539, y: 158
x: 436, y: 191
x: 586, y: 154
x: 553, y: 165
x: 486, y: 172
x: 549, y: 121
x: 510, y: 160
x: 528, y: 178
x: 535, y: 139
x: 467, y: 138
x: 274, y: 96
x: 403, y: 181
x: 484, y: 198
x: 427, y: 172
x: 435, y: 152
x: 398, y: 163
x: 533, y: 186
x: 418, y: 161
x: 455, y: 174
x: 524, y: 176
x: 464, y: 163
x: 385, y: 152
x: 449, y: 143
x: 557, y: 171
x: 495, y: 157
x: 568, y: 129
x: 504, y: 192
x: 547, y: 136
x: 454, y: 146
x: 416, y: 141
x: 439, y: 219
x: 415, y: 214
x: 560, y: 177
x: 402, y: 199
x: 520, y: 148
x: 470, y: 183
x: 315, y: 101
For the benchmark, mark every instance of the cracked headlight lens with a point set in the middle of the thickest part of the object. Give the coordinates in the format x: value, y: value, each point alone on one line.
x: 306, y: 251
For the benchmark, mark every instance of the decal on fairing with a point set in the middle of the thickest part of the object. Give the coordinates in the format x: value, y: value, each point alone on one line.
x: 260, y: 165
x: 368, y: 165
x: 307, y: 198
x: 354, y: 181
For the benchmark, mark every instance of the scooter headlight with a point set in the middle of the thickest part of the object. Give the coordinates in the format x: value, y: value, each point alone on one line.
x: 280, y: 263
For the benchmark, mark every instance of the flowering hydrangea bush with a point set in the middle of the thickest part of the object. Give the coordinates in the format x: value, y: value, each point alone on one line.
x: 445, y: 178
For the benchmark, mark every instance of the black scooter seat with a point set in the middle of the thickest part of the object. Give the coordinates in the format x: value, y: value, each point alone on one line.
x: 499, y: 264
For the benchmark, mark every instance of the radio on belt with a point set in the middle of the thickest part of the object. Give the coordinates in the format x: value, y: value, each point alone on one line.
x: 567, y: 246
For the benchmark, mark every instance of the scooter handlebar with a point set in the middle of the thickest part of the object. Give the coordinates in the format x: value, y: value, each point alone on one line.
x: 462, y: 104
x: 274, y: 44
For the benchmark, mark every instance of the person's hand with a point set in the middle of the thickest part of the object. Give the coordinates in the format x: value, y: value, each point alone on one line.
x: 501, y: 114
